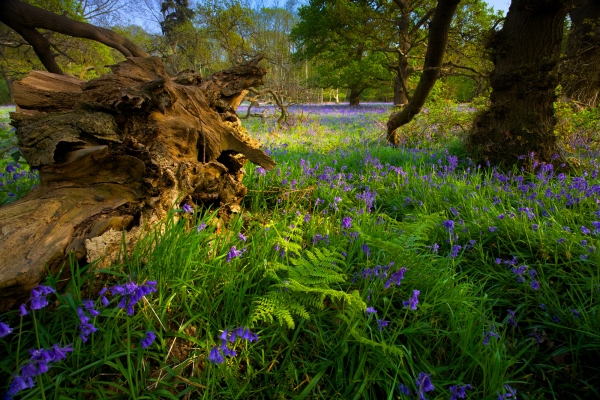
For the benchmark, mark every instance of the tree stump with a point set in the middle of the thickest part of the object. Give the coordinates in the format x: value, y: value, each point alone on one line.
x: 115, y: 154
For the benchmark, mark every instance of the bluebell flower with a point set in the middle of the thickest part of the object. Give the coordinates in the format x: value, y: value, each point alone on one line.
x: 585, y: 230
x: 19, y: 383
x: 488, y: 334
x: 260, y: 171
x: 449, y: 225
x: 215, y: 356
x: 459, y: 392
x: 511, y: 318
x: 306, y: 218
x: 5, y: 329
x: 346, y: 223
x: 371, y: 310
x: 455, y: 250
x: 575, y: 312
x: 435, y: 247
x: 403, y: 389
x: 241, y: 237
x: 424, y: 385
x: 233, y: 253
x: 366, y: 249
x: 148, y: 339
x: 39, y: 295
x: 555, y: 319
x: 510, y: 394
x: 492, y: 229
x: 382, y: 324
x: 58, y: 353
x: 413, y: 301
x: 201, y: 227
x: 187, y: 208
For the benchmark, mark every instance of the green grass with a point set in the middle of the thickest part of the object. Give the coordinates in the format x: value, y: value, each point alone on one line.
x: 303, y: 284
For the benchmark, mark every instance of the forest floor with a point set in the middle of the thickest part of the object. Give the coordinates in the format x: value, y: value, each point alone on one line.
x: 355, y: 271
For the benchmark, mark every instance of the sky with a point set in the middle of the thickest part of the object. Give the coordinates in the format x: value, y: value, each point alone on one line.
x: 499, y: 4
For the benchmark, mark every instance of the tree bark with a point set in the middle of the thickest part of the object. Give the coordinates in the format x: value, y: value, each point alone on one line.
x: 525, y: 52
x: 115, y: 154
x: 354, y: 97
x: 581, y: 69
x: 436, y: 46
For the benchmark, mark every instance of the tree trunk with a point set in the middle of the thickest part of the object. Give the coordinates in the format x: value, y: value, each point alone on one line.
x: 400, y: 97
x: 354, y: 97
x: 116, y: 154
x: 581, y: 70
x: 525, y: 53
x: 436, y: 46
x: 9, y: 84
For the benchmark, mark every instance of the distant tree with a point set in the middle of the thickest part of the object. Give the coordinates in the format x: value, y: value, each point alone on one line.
x: 355, y: 44
x: 581, y: 68
x: 526, y: 53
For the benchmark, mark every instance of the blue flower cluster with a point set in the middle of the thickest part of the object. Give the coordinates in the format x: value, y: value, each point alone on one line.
x: 39, y: 363
x: 218, y: 353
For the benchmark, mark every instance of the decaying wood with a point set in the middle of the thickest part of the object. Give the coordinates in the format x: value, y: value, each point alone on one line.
x: 115, y: 154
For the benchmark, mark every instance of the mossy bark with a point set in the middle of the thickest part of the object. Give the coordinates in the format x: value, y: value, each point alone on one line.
x: 525, y: 52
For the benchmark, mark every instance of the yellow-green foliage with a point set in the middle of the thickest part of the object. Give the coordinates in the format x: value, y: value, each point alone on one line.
x: 304, y: 284
x: 577, y: 127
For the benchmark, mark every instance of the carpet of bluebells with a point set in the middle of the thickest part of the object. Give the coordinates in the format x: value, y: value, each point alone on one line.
x: 355, y: 270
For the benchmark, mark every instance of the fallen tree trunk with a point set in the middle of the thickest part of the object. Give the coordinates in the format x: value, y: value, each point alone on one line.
x: 115, y: 154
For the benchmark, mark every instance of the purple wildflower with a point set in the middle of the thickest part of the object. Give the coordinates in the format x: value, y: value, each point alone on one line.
x: 585, y: 230
x: 459, y: 392
x: 306, y: 218
x: 241, y: 237
x: 492, y: 229
x: 260, y: 171
x: 23, y: 310
x: 366, y: 249
x: 371, y: 310
x: 510, y: 393
x: 233, y: 253
x: 535, y: 285
x: 449, y: 225
x: 20, y: 383
x: 455, y: 250
x: 382, y: 324
x: 575, y: 312
x: 555, y: 319
x: 435, y: 247
x: 424, y: 384
x: 489, y: 334
x: 215, y: 356
x: 511, y: 318
x: 148, y: 339
x: 346, y: 223
x: 201, y: 226
x: 38, y: 297
x: 501, y: 216
x: 404, y: 389
x: 5, y: 329
x: 59, y: 353
x: 187, y: 208
x: 413, y: 301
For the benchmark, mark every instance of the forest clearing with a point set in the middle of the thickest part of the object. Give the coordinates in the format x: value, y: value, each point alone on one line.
x: 184, y: 215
